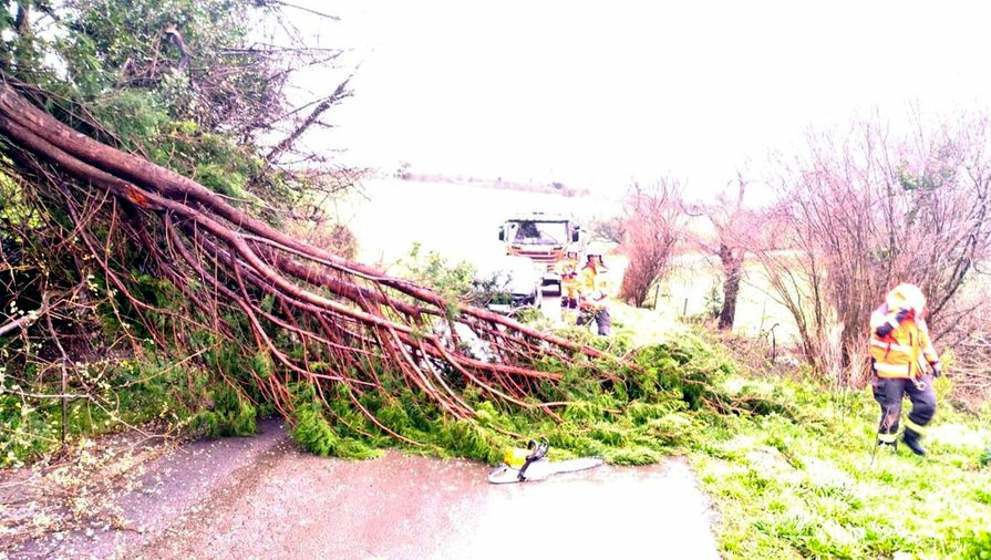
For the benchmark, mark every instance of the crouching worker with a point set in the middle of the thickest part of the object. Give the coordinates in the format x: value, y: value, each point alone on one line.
x: 899, y: 341
x: 592, y: 283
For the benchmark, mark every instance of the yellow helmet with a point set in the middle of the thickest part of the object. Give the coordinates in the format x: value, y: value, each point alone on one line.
x: 906, y: 296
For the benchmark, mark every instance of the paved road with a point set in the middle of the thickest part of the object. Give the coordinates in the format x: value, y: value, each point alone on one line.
x: 260, y: 498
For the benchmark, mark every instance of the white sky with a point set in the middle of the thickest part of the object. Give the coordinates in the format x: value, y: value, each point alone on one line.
x: 597, y: 93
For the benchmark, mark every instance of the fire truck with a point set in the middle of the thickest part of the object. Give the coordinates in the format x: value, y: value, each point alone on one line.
x: 544, y: 239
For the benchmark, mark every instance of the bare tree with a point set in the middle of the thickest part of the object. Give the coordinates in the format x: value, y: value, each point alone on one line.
x: 862, y: 213
x: 652, y: 224
x: 733, y: 231
x: 612, y: 229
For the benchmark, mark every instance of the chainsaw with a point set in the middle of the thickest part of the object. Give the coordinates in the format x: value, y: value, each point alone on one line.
x: 531, y: 464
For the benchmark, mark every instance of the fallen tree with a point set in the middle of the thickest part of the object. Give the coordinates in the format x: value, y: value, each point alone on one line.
x: 317, y: 318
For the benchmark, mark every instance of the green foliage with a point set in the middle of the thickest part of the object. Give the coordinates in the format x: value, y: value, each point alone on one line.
x: 469, y: 440
x: 137, y: 117
x: 529, y: 315
x: 312, y: 432
x: 453, y: 281
x: 713, y: 301
x: 117, y: 63
x: 110, y: 44
x: 113, y: 70
x: 261, y: 362
x: 634, y: 456
x: 216, y: 178
x: 687, y: 366
x: 982, y: 496
x: 975, y: 545
x: 13, y: 209
x: 127, y: 392
x: 232, y: 415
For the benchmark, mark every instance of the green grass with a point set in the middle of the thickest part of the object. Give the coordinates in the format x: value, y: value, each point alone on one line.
x: 807, y: 488
x: 802, y: 484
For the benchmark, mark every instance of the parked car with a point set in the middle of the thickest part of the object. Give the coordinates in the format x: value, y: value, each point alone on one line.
x: 513, y: 283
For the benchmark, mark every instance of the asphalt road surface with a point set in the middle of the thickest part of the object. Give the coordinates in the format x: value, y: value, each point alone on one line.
x: 259, y: 497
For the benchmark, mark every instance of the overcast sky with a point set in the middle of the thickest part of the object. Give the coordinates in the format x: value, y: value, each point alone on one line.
x: 597, y: 93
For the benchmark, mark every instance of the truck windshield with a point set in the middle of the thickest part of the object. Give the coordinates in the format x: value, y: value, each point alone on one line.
x: 529, y: 232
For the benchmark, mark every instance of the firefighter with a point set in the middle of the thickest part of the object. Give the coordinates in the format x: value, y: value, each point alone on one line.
x: 568, y: 269
x: 592, y: 288
x: 899, y: 342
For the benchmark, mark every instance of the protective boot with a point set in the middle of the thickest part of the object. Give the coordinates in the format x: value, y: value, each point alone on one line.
x: 911, y: 439
x: 892, y: 444
x: 884, y: 439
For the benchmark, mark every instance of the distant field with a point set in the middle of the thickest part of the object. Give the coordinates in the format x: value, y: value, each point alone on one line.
x: 693, y: 279
x: 461, y: 222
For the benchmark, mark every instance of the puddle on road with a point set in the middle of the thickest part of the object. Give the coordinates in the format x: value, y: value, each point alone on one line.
x: 414, y: 507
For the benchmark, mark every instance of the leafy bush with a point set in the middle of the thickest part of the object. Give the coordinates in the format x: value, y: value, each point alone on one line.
x: 127, y: 392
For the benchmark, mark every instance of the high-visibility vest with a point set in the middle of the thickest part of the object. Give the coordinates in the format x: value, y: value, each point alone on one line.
x: 592, y: 284
x: 897, y: 355
x: 587, y: 279
x: 568, y: 269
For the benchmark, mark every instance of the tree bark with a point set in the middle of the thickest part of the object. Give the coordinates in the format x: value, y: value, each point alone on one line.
x: 733, y: 269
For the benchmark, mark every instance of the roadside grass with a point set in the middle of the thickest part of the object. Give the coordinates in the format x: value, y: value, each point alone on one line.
x: 807, y: 488
x: 801, y: 483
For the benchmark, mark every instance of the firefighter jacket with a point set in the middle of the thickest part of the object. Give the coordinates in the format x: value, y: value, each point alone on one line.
x: 592, y: 283
x: 899, y: 352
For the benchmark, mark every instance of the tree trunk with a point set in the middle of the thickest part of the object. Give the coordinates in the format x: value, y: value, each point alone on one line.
x: 733, y: 268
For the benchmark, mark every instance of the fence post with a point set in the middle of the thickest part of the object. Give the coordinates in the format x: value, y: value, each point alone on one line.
x: 774, y: 347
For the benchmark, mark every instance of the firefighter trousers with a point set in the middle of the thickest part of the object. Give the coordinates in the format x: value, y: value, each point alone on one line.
x: 888, y: 392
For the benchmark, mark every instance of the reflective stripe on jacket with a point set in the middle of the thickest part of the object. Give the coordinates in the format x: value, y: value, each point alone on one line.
x: 898, y: 354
